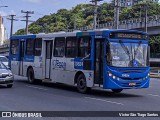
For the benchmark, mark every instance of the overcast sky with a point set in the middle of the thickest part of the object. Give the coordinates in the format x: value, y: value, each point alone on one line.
x: 40, y: 8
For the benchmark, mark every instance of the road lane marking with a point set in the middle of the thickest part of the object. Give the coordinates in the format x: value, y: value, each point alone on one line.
x: 105, y: 100
x: 36, y: 87
x: 154, y: 95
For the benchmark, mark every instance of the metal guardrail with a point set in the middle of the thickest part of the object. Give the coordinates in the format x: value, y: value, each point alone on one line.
x: 4, y: 46
x: 125, y: 24
x: 155, y: 72
x: 154, y: 55
x: 4, y: 49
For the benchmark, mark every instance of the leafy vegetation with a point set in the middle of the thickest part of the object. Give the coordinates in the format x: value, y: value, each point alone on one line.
x: 154, y: 46
x: 83, y: 14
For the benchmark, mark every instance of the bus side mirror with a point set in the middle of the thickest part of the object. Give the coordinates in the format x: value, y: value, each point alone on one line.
x: 148, y: 55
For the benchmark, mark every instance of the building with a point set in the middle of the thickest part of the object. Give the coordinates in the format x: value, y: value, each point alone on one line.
x: 130, y: 3
x: 3, y: 36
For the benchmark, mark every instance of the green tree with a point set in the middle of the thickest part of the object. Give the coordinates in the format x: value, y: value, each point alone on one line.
x: 154, y: 44
x: 64, y: 19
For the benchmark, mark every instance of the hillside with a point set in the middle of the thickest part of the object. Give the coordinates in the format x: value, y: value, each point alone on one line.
x: 64, y: 19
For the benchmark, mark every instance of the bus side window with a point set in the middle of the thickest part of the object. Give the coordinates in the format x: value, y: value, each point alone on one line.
x: 30, y: 47
x: 108, y: 54
x: 38, y: 46
x: 14, y: 47
x: 71, y: 47
x: 84, y: 48
x: 59, y: 47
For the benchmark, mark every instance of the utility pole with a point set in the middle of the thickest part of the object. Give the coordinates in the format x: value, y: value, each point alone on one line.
x: 146, y: 11
x: 75, y: 20
x: 11, y: 18
x: 146, y: 15
x: 95, y: 12
x: 146, y: 7
x: 140, y: 12
x: 116, y: 13
x: 27, y: 18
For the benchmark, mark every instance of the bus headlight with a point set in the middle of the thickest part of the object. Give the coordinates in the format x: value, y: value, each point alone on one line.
x: 148, y: 74
x: 110, y: 74
x: 114, y: 77
x: 118, y: 78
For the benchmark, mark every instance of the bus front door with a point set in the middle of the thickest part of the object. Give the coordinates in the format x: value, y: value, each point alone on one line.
x: 21, y: 57
x: 48, y: 59
x: 99, y: 56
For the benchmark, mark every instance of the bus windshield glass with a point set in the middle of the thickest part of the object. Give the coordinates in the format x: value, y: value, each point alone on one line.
x: 121, y: 54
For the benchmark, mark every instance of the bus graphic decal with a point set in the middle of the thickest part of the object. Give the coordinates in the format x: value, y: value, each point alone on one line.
x: 58, y: 64
x: 78, y: 63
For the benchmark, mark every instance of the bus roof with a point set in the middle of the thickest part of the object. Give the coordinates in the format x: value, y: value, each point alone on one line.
x: 75, y: 33
x: 104, y: 31
x: 56, y: 34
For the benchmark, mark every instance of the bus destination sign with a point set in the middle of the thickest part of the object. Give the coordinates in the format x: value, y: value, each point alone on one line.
x: 125, y: 35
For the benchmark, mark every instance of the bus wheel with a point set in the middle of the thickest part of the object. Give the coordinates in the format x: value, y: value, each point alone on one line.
x: 81, y: 84
x: 30, y: 75
x: 117, y: 90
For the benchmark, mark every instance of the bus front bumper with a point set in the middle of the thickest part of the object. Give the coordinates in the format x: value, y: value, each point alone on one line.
x: 126, y: 84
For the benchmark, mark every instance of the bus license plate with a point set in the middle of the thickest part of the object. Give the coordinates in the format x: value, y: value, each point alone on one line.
x: 132, y: 84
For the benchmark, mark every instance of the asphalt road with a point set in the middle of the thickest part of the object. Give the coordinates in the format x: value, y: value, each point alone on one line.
x: 58, y: 97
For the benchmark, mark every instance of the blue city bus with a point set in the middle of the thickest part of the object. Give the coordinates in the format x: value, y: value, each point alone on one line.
x: 108, y: 59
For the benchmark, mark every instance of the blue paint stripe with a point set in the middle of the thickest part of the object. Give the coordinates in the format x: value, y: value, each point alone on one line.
x: 22, y: 37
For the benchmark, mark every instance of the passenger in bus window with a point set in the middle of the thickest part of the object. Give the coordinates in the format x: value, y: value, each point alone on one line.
x: 87, y: 54
x: 62, y: 52
x: 15, y: 50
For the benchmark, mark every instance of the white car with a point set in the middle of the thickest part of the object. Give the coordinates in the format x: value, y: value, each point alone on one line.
x: 4, y: 60
x: 6, y: 76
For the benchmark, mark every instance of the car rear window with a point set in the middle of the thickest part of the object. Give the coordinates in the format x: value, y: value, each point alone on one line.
x: 2, y: 66
x: 3, y: 59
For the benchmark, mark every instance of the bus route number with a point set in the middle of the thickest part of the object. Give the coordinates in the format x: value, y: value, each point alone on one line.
x: 78, y: 64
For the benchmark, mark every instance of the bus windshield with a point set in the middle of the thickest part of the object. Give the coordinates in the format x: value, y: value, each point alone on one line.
x: 120, y: 54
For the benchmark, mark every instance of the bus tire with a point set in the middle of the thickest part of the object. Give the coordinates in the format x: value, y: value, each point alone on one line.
x: 30, y: 75
x: 117, y: 90
x: 82, y: 84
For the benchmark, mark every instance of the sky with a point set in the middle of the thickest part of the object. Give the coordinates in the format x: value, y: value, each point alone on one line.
x: 40, y: 8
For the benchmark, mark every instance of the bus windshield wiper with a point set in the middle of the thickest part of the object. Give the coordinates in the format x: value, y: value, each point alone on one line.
x: 125, y: 48
x: 135, y: 52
